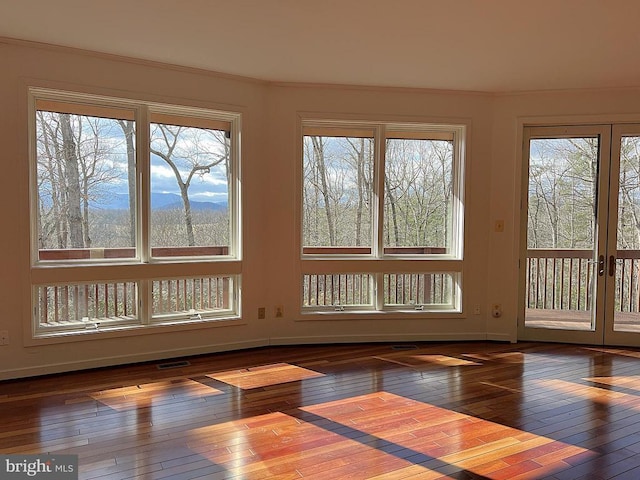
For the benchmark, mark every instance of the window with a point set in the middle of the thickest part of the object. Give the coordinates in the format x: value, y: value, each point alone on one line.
x: 419, y: 199
x: 190, y: 175
x: 387, y: 193
x: 85, y: 181
x: 338, y: 291
x: 338, y: 191
x: 135, y: 197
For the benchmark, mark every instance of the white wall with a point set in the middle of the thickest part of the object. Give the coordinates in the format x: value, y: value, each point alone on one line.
x: 23, y: 65
x: 286, y: 104
x: 271, y: 263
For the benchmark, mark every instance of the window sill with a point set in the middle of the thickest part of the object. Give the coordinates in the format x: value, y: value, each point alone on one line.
x: 136, y: 330
x: 390, y: 314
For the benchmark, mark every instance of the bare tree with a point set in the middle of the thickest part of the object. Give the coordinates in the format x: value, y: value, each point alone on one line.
x: 323, y: 187
x: 189, y: 152
x: 72, y: 174
x: 128, y: 128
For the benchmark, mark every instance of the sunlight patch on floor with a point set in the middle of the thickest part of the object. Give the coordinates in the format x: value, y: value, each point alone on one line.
x: 150, y: 394
x: 631, y: 383
x: 264, y: 375
x: 424, y: 360
x: 450, y: 438
x: 594, y: 394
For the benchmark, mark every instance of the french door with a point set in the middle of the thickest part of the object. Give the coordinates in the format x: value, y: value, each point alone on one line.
x: 580, y: 261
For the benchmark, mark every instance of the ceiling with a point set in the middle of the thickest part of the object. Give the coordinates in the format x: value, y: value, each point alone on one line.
x: 474, y: 45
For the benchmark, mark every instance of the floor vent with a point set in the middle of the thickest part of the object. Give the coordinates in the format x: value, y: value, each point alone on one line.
x: 404, y: 347
x: 165, y: 366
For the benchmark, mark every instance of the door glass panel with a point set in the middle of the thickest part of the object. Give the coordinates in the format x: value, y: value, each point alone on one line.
x: 627, y: 289
x: 561, y: 238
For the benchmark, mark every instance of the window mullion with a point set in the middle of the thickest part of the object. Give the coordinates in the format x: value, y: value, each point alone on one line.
x: 235, y: 245
x: 33, y: 182
x: 143, y: 208
x: 378, y: 223
x: 456, y: 241
x: 379, y: 175
x: 143, y: 187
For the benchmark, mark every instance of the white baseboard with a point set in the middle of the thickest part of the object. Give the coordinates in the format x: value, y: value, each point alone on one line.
x: 126, y: 359
x: 262, y: 342
x: 501, y: 337
x: 399, y: 337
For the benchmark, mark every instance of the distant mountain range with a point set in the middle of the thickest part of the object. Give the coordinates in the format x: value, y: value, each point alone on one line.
x: 159, y: 201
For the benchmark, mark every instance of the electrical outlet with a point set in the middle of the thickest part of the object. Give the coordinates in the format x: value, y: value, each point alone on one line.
x: 476, y: 309
x: 4, y: 337
x: 499, y: 226
x: 279, y: 313
x: 496, y: 310
x: 262, y: 313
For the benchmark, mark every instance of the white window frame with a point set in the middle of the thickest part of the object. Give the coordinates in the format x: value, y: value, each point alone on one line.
x: 377, y: 263
x: 142, y: 268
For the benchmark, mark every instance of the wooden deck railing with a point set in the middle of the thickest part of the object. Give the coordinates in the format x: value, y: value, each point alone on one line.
x: 417, y: 288
x: 109, y: 302
x: 559, y: 279
x: 337, y: 290
x: 72, y: 304
x: 563, y: 279
x: 81, y: 303
x: 190, y: 294
x: 355, y: 289
x: 627, y: 294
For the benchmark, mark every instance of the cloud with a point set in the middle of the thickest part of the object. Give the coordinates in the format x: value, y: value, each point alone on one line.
x: 211, y: 184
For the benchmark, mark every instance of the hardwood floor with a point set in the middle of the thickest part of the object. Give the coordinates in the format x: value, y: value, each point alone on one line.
x: 440, y: 410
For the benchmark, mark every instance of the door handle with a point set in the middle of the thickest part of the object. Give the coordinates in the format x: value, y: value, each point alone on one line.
x: 601, y: 265
x: 612, y: 265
